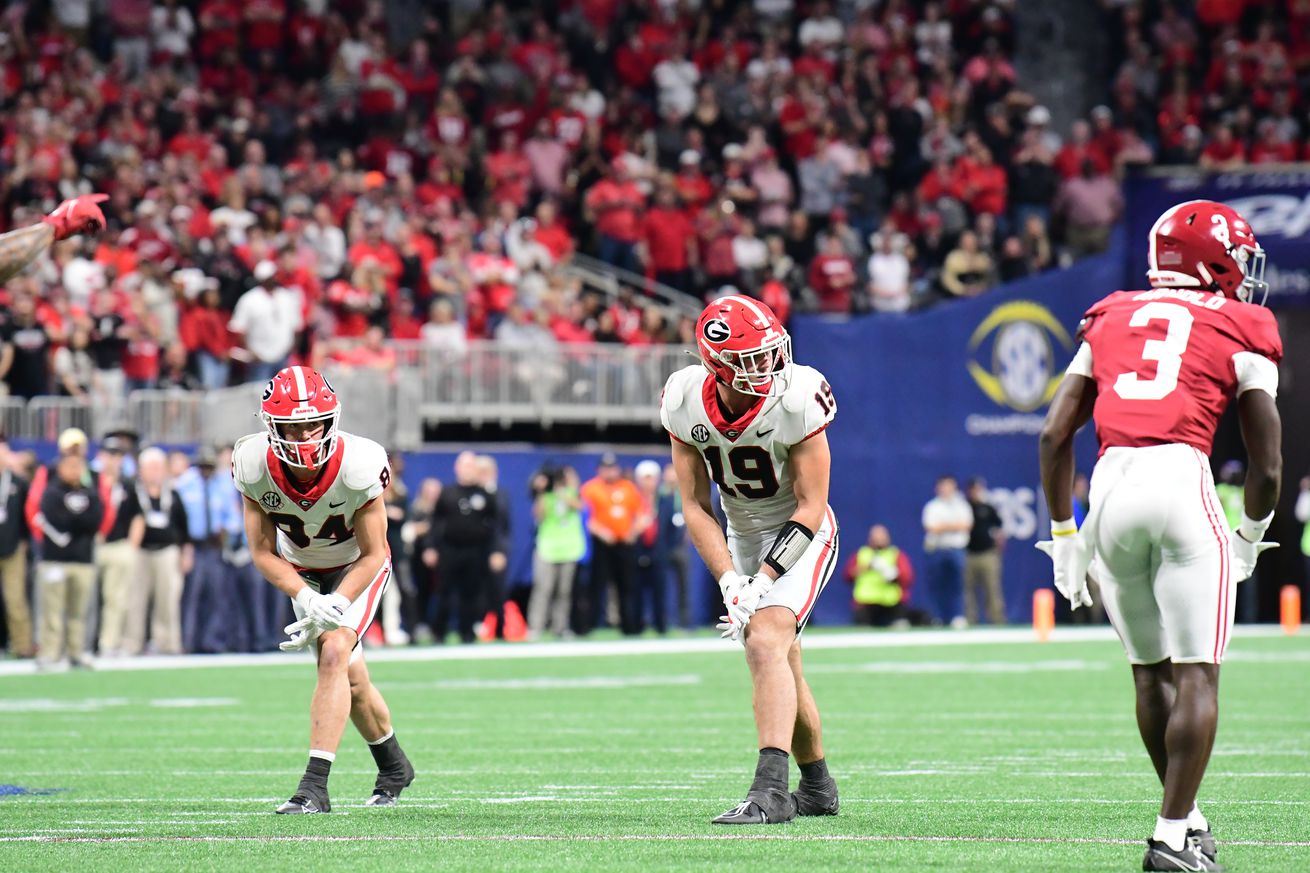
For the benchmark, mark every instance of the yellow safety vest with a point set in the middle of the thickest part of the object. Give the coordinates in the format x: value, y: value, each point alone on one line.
x: 872, y: 587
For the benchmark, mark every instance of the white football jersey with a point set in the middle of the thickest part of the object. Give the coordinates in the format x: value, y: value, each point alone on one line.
x: 315, y: 521
x: 747, y: 458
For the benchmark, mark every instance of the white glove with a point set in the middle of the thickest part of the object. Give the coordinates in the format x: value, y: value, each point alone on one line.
x: 1243, y: 554
x: 302, y: 632
x: 729, y: 629
x: 1071, y: 556
x: 328, y: 611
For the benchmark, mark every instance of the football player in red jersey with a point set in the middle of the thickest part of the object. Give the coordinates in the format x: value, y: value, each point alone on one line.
x: 318, y: 532
x: 18, y: 248
x: 752, y: 422
x: 1157, y: 369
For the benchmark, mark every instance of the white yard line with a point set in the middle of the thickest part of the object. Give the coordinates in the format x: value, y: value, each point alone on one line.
x: 630, y: 838
x: 667, y: 646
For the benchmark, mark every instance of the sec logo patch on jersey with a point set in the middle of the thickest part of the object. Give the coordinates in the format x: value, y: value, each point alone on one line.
x: 700, y: 433
x: 271, y: 500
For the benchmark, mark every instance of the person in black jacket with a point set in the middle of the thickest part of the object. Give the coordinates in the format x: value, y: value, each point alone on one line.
x: 13, y: 554
x: 464, y: 529
x: 71, y: 511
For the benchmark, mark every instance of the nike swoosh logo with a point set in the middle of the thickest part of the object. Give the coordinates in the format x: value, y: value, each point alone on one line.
x: 765, y: 432
x: 335, y: 505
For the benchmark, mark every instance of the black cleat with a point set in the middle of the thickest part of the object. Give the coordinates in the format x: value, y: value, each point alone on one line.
x: 760, y: 807
x: 305, y: 803
x: 820, y: 799
x: 1159, y: 856
x: 1204, y: 841
x: 389, y: 785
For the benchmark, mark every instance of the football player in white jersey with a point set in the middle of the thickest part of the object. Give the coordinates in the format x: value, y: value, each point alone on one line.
x: 318, y: 531
x: 752, y: 422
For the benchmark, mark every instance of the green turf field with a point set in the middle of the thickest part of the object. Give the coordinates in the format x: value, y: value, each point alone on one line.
x: 980, y: 756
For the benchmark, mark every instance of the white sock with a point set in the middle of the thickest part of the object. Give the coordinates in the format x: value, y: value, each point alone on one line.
x: 382, y: 739
x: 1171, y: 831
x: 326, y: 756
x: 1196, y: 821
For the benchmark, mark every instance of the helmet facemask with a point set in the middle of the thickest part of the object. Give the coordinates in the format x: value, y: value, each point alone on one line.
x: 303, y: 454
x: 762, y: 372
x: 1252, y: 262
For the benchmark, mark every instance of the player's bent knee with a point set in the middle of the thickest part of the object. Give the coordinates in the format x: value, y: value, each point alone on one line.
x: 334, y: 650
x: 771, y: 633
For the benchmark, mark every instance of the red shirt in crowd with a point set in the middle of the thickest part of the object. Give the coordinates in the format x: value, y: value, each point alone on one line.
x: 204, y: 329
x: 618, y: 207
x: 556, y: 238
x: 666, y: 230
x: 831, y: 277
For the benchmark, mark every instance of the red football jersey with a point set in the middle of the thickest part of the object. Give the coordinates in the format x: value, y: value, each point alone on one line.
x: 1166, y: 363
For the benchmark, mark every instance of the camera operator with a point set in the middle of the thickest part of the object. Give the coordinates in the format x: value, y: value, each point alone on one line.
x: 560, y: 545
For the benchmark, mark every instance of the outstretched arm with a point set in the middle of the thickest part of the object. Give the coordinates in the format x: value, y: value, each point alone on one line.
x: 18, y: 248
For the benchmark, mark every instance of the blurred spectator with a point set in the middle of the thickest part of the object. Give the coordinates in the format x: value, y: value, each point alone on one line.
x: 116, y: 556
x: 24, y: 356
x: 889, y: 274
x: 982, y: 560
x: 1089, y: 204
x: 968, y: 270
x: 947, y: 523
x: 832, y: 276
x: 560, y: 546
x: 267, y: 320
x: 498, y: 560
x: 209, y: 610
x: 159, y: 528
x: 13, y: 554
x: 462, y: 536
x: 615, y: 205
x: 614, y: 509
x: 651, y: 569
x: 880, y: 576
x: 416, y: 532
x: 675, y: 543
x: 71, y: 511
x: 668, y: 240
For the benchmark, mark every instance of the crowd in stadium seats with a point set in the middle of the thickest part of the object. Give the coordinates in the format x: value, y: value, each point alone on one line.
x: 322, y: 165
x: 414, y: 175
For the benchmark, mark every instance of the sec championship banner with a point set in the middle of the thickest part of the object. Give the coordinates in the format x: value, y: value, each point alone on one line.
x: 959, y: 389
x: 1276, y: 203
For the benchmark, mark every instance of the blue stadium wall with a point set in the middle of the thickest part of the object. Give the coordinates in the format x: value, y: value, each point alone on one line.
x: 958, y: 389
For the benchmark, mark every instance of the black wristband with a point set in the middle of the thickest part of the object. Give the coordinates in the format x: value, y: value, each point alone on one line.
x: 792, y: 541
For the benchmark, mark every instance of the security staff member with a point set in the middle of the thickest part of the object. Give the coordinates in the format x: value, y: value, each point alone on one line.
x: 159, y: 528
x: 116, y: 557
x: 71, y: 511
x: 13, y: 554
x: 879, y: 579
x: 465, y: 526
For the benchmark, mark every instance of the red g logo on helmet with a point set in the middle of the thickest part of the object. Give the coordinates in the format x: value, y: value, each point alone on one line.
x: 1207, y: 245
x: 743, y: 344
x: 300, y: 396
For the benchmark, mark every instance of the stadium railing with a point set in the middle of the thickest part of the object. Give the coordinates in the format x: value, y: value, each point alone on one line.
x: 488, y: 382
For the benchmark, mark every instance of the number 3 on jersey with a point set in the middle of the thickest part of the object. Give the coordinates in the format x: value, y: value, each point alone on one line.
x: 1167, y: 353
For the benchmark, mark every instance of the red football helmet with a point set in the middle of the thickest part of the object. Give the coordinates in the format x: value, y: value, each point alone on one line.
x: 744, y: 345
x: 300, y: 395
x: 1207, y: 245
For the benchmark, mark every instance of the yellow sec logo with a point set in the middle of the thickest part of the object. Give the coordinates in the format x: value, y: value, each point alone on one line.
x: 1013, y: 353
